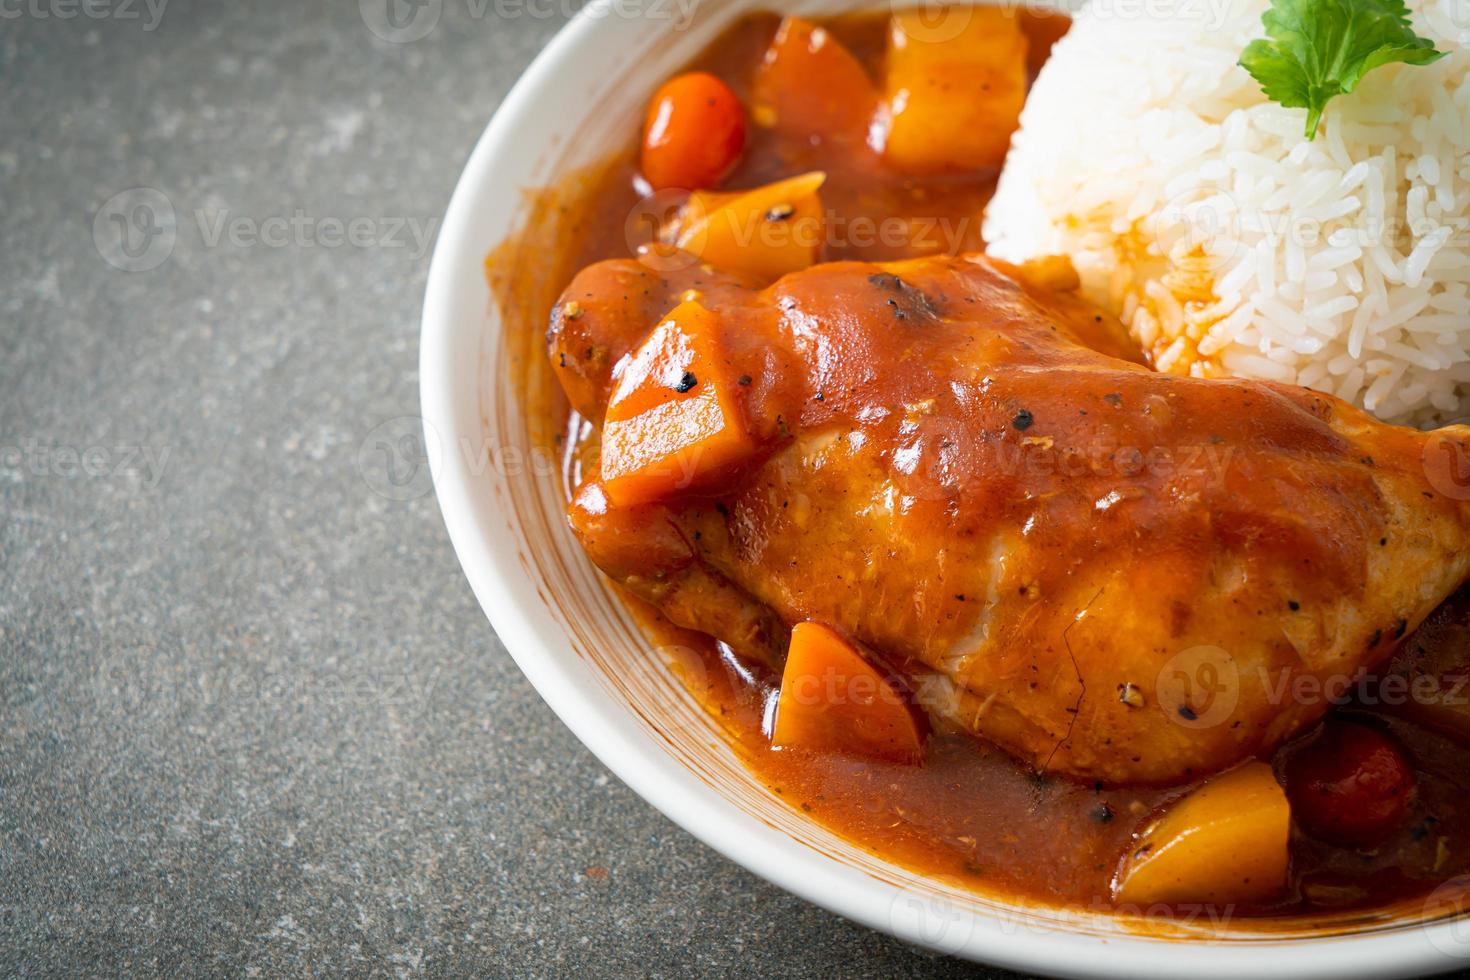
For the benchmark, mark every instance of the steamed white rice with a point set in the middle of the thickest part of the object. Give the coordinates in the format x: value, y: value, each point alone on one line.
x: 1196, y: 209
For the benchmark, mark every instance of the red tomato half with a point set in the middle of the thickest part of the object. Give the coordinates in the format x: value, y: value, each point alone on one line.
x: 1351, y: 784
x: 694, y: 133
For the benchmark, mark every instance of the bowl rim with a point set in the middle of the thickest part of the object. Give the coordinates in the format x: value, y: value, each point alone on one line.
x: 495, y: 574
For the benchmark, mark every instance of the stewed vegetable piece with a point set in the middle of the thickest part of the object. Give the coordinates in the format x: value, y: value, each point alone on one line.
x: 673, y: 421
x: 765, y: 232
x: 954, y: 89
x: 810, y: 87
x: 1225, y: 842
x: 1351, y: 784
x: 833, y: 699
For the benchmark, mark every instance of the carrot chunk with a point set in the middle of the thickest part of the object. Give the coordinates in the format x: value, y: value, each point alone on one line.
x: 811, y: 87
x: 954, y: 89
x: 1224, y: 842
x: 674, y: 420
x: 765, y: 232
x: 832, y: 699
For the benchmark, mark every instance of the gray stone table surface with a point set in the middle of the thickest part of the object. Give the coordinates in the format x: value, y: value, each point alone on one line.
x: 252, y: 720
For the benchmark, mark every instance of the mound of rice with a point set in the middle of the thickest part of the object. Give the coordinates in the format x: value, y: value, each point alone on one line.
x: 1195, y: 209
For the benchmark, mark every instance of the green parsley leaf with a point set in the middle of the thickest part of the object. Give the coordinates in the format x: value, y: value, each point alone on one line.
x: 1316, y: 50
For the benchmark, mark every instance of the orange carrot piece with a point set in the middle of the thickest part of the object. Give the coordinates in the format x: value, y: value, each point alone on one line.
x: 834, y: 700
x: 954, y: 89
x: 674, y: 419
x: 810, y: 86
x: 766, y: 232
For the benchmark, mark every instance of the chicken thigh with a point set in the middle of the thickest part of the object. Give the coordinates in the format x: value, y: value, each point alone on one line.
x: 1112, y: 573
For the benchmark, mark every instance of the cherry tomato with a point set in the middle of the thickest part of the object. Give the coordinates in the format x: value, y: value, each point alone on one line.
x: 694, y: 133
x: 1351, y: 784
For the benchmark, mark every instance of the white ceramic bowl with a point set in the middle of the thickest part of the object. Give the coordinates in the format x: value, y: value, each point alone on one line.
x: 584, y: 656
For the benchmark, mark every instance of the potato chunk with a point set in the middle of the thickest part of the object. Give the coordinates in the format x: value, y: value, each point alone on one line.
x: 1226, y: 842
x: 954, y: 89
